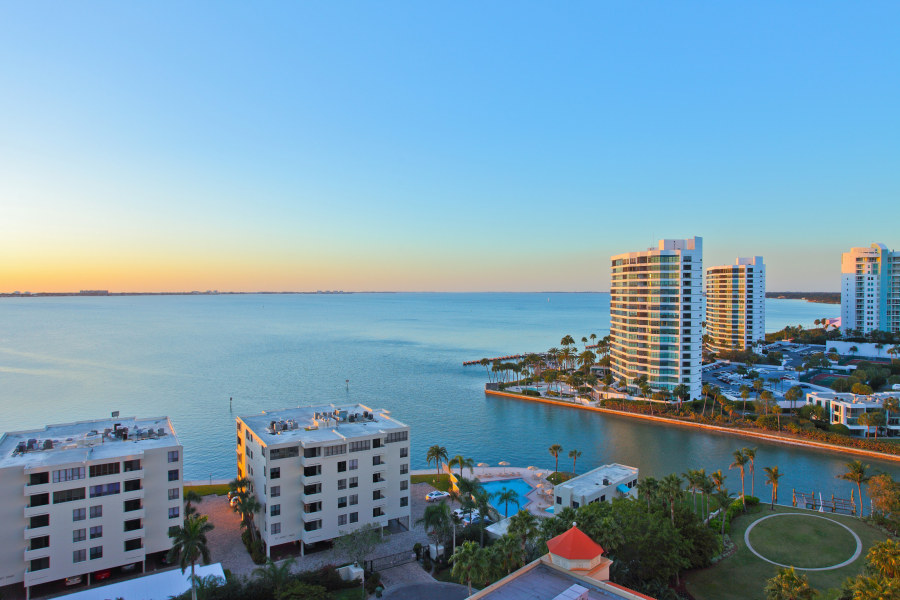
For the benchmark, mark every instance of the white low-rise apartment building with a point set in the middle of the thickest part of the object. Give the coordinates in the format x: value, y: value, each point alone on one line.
x: 870, y: 289
x: 846, y: 408
x: 656, y: 308
x: 736, y: 304
x: 323, y: 471
x: 602, y: 484
x: 80, y: 499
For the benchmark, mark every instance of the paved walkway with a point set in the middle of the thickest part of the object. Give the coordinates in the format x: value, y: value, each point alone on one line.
x: 405, y: 574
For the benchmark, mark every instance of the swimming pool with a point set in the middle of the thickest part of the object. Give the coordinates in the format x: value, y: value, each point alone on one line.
x: 520, y: 486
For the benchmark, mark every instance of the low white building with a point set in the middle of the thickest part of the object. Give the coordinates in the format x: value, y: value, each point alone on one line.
x: 599, y: 485
x: 846, y: 408
x: 323, y: 471
x: 80, y: 499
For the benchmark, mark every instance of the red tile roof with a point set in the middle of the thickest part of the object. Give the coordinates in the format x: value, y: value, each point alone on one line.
x: 574, y: 544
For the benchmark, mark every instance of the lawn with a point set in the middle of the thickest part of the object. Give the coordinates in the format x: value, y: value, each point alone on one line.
x: 353, y: 593
x: 440, y: 482
x: 206, y: 490
x: 808, y: 542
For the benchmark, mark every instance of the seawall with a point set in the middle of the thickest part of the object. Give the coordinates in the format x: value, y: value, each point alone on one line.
x: 712, y: 428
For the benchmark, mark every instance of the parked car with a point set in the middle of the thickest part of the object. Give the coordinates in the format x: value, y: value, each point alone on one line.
x: 465, y: 515
x: 74, y: 580
x: 101, y: 575
x: 436, y: 495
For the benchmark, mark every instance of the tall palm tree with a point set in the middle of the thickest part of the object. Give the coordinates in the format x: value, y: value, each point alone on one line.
x: 691, y: 477
x: 584, y: 341
x: 554, y: 450
x: 586, y: 359
x: 707, y: 487
x: 745, y: 393
x: 274, y: 574
x: 438, y: 455
x: 865, y: 420
x: 189, y: 545
x: 247, y: 505
x: 567, y: 341
x: 648, y: 487
x: 191, y: 498
x: 436, y: 520
x: 740, y: 460
x: 750, y: 453
x: 857, y: 473
x: 705, y: 390
x: 468, y: 563
x: 574, y: 454
x: 565, y: 356
x: 718, y: 479
x: 481, y: 498
x: 593, y: 337
x: 670, y: 488
x: 723, y: 499
x: 504, y: 497
x: 462, y: 462
x: 787, y: 585
x: 793, y: 394
x: 772, y: 477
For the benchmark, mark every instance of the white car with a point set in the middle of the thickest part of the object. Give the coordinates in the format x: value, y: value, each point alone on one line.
x: 466, y: 516
x: 436, y: 495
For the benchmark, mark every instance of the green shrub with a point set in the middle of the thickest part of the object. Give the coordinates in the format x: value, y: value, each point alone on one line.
x: 839, y: 428
x: 767, y: 422
x: 534, y: 393
x: 716, y: 525
x: 752, y: 500
x: 258, y: 553
x: 373, y: 580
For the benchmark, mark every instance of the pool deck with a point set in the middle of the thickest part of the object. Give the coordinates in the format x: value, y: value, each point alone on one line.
x: 538, y: 500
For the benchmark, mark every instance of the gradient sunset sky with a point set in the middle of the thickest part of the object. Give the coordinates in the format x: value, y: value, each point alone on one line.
x: 168, y: 146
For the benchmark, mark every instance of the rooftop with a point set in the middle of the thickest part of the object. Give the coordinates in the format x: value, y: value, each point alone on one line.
x: 85, y: 440
x: 588, y: 482
x: 872, y: 399
x: 543, y: 582
x: 574, y: 545
x: 322, y: 423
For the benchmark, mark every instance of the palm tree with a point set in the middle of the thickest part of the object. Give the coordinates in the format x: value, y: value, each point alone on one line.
x: 468, y: 563
x: 523, y: 526
x: 436, y: 454
x: 750, y: 453
x: 190, y: 499
x: 856, y: 473
x: 554, y: 450
x: 707, y: 487
x: 706, y: 389
x: 274, y: 574
x: 189, y: 545
x: 865, y: 419
x: 758, y: 385
x: 691, y: 476
x: 574, y: 454
x: 584, y: 341
x: 504, y: 497
x: 567, y: 341
x: 566, y: 355
x: 593, y: 337
x: 772, y: 477
x: 718, y: 479
x: 586, y: 359
x: 436, y: 520
x: 462, y: 462
x: 670, y: 488
x: 745, y: 393
x: 247, y: 505
x: 740, y: 459
x: 648, y: 487
x: 723, y: 499
x: 787, y: 585
x: 793, y: 394
x: 481, y: 498
x: 891, y: 405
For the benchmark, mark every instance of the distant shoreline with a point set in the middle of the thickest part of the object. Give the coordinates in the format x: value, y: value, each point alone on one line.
x: 818, y: 297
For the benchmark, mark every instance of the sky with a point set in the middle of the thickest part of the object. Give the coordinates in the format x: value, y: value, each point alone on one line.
x: 491, y: 146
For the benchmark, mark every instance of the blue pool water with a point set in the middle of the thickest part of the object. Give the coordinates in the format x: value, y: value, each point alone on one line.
x: 520, y: 486
x: 549, y: 509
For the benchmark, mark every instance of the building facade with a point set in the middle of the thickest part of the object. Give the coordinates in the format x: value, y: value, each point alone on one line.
x: 870, y: 289
x: 736, y: 304
x: 87, y: 497
x: 323, y: 471
x: 655, y: 315
x: 846, y: 408
x: 602, y: 484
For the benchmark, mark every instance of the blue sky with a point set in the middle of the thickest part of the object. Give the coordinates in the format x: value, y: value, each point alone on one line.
x: 425, y: 146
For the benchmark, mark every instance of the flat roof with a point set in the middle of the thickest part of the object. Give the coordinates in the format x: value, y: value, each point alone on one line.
x: 588, y: 482
x: 157, y: 586
x: 316, y: 424
x: 85, y: 440
x: 545, y: 583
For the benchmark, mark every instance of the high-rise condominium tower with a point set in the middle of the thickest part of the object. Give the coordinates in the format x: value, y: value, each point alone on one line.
x: 655, y: 313
x: 870, y: 289
x: 736, y: 304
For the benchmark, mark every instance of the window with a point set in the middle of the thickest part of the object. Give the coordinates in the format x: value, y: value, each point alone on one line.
x: 354, y: 517
x: 131, y: 465
x: 279, y: 453
x: 377, y: 478
x: 96, y: 512
x: 558, y: 500
x: 96, y: 552
x: 133, y: 525
x: 174, y: 512
x: 312, y: 452
x: 336, y: 450
x: 132, y: 485
x: 39, y: 564
x: 377, y: 495
x: 312, y: 471
x: 404, y: 469
x: 39, y: 521
x: 274, y: 510
x: 79, y: 535
x: 79, y: 556
x: 313, y: 525
x: 342, y: 502
x: 173, y: 530
x: 173, y: 456
x: 276, y: 528
x: 398, y: 436
x: 275, y: 473
x: 107, y: 489
x: 173, y: 494
x: 354, y: 499
x: 404, y: 485
x: 312, y: 507
x: 38, y: 499
x: 404, y: 452
x: 354, y: 482
x: 342, y: 484
x: 342, y: 520
x: 37, y: 543
x: 313, y: 488
x: 79, y: 514
x: 96, y: 531
x: 404, y: 501
x: 275, y: 491
x: 377, y: 460
x: 68, y: 495
x: 173, y: 475
x: 376, y: 443
x: 135, y: 544
x: 354, y: 464
x: 360, y: 446
x: 377, y: 512
x: 72, y: 474
x: 342, y: 466
x: 104, y: 469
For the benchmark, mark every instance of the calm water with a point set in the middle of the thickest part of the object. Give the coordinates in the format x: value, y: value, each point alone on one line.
x: 65, y: 359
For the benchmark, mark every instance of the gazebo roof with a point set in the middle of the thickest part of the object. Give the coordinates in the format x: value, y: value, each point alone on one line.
x: 574, y: 544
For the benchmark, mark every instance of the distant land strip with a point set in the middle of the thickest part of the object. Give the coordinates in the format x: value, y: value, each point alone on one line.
x: 820, y: 297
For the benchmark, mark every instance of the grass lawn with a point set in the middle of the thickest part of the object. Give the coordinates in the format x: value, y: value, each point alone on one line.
x: 348, y: 594
x: 206, y: 490
x: 801, y: 541
x: 440, y: 482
